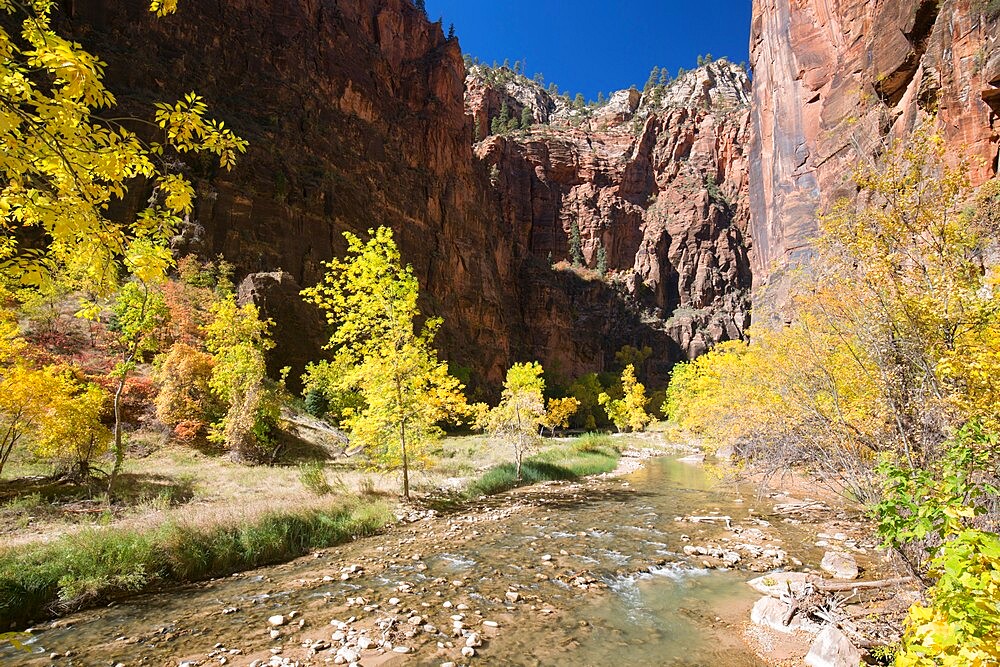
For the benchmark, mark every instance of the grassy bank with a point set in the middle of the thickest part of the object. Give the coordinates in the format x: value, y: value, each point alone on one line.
x: 95, y: 565
x: 590, y: 454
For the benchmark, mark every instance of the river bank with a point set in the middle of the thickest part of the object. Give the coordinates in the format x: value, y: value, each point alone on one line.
x: 581, y: 572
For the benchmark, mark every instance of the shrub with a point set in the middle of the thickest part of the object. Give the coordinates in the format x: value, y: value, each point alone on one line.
x: 185, y: 396
x: 316, y: 403
x: 313, y: 477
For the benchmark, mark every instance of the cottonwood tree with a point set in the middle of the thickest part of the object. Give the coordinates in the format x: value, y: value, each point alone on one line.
x: 238, y: 340
x: 628, y: 412
x: 521, y: 412
x: 558, y: 413
x: 370, y: 297
x: 138, y: 311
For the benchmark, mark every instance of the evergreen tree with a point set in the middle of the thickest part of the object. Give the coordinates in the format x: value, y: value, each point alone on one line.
x: 654, y: 75
x: 422, y: 6
x: 526, y: 118
x: 579, y: 102
x: 600, y: 97
x: 451, y: 32
x: 575, y: 250
x: 553, y: 89
x: 664, y: 77
x: 681, y: 72
x: 506, y: 63
x: 701, y: 60
x: 602, y: 261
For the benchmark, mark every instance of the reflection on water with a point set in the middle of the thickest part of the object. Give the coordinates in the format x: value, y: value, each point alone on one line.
x: 656, y: 610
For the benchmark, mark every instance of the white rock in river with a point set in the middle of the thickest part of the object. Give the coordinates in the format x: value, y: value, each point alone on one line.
x: 832, y: 648
x: 841, y: 565
x: 365, y: 643
x: 468, y: 651
x: 276, y: 620
x: 770, y: 613
x: 777, y: 584
x: 474, y: 640
x: 348, y: 654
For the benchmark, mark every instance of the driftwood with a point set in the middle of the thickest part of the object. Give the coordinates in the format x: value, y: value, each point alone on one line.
x: 831, y: 586
x: 710, y: 519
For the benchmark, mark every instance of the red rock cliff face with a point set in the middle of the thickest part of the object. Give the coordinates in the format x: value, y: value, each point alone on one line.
x: 659, y: 186
x: 836, y: 80
x: 355, y: 117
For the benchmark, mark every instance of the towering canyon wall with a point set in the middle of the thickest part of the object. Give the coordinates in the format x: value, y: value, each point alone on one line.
x: 355, y: 117
x: 656, y: 183
x: 836, y: 81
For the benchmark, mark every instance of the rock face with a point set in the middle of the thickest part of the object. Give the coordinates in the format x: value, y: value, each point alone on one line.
x: 835, y: 82
x: 355, y: 117
x: 655, y: 184
x: 298, y: 327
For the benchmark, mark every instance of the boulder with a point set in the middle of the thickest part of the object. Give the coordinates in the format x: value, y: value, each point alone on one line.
x: 298, y: 330
x: 841, y: 565
x: 832, y: 648
x: 777, y: 584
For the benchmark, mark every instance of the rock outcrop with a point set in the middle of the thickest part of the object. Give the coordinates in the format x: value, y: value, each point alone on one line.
x: 656, y: 186
x: 836, y: 82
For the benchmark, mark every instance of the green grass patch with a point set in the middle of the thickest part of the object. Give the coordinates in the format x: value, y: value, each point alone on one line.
x: 96, y: 565
x: 587, y: 455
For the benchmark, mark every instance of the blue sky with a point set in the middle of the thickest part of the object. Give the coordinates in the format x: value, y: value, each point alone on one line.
x: 591, y: 45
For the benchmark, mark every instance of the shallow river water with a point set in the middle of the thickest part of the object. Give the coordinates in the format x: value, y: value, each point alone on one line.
x: 646, y: 602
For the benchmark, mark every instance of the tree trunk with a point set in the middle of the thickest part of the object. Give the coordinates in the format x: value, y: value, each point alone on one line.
x: 406, y: 466
x: 119, y: 446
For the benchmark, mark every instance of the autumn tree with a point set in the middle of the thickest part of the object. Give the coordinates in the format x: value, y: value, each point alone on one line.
x: 521, y: 412
x: 370, y: 298
x: 72, y: 430
x: 628, y: 412
x: 138, y: 310
x: 558, y: 413
x: 238, y: 339
x: 893, y: 342
x: 63, y: 162
x: 185, y: 401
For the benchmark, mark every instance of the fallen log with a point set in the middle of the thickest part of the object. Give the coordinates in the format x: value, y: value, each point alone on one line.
x: 834, y: 586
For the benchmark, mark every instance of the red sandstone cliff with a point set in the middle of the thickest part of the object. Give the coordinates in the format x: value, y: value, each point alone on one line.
x: 355, y: 117
x: 659, y: 184
x: 835, y: 81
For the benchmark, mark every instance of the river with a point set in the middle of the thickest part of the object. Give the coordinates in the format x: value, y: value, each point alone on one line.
x: 576, y: 574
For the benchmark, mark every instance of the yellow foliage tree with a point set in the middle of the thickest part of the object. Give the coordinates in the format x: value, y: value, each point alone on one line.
x: 72, y: 430
x: 371, y: 299
x: 628, y: 412
x: 893, y: 342
x: 62, y: 163
x: 521, y: 411
x: 558, y: 413
x: 238, y: 340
